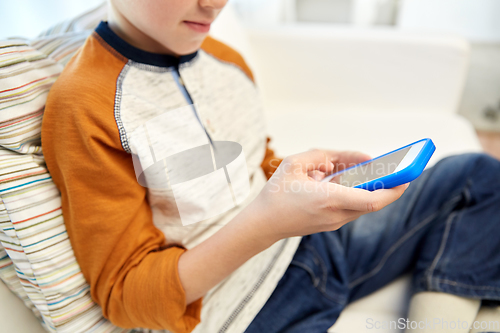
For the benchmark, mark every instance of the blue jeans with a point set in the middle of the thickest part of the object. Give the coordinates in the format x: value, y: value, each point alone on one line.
x: 445, y: 229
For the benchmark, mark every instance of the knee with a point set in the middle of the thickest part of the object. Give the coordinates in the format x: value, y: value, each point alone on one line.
x: 477, y: 167
x: 472, y: 162
x: 483, y: 164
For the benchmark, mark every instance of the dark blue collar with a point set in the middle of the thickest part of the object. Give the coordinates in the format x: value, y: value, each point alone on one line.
x: 138, y: 55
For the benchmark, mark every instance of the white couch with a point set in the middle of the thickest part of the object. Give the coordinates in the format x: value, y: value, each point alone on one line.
x: 338, y: 88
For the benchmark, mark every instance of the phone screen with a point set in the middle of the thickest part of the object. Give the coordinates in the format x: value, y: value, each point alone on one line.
x: 377, y: 168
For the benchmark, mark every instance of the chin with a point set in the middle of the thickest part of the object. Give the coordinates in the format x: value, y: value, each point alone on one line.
x: 188, y: 48
x: 188, y: 51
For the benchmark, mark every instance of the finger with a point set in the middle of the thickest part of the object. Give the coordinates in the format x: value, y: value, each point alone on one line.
x: 316, y: 175
x: 341, y: 197
x: 350, y: 158
x: 313, y: 160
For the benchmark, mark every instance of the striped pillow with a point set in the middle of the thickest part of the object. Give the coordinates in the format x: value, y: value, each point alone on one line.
x: 86, y: 21
x: 36, y: 259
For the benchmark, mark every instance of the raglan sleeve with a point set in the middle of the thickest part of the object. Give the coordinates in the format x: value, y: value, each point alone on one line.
x: 131, y: 268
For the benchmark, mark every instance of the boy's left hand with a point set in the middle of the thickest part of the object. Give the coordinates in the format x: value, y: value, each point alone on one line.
x: 344, y: 160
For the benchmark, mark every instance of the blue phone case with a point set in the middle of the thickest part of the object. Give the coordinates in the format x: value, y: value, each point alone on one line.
x: 406, y: 175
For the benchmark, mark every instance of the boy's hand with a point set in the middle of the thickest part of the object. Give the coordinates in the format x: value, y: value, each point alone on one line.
x: 341, y: 160
x: 295, y: 203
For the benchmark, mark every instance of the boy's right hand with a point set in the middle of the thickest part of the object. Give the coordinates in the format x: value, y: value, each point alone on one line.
x: 294, y: 204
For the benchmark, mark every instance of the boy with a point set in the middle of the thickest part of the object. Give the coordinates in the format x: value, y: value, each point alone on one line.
x: 248, y: 269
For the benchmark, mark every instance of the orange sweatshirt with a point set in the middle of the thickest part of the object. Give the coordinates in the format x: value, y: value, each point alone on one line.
x: 129, y: 263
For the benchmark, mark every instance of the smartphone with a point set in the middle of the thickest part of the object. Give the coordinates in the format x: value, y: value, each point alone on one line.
x: 397, y: 167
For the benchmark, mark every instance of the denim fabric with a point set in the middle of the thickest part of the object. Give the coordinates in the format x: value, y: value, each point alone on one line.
x: 445, y: 229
